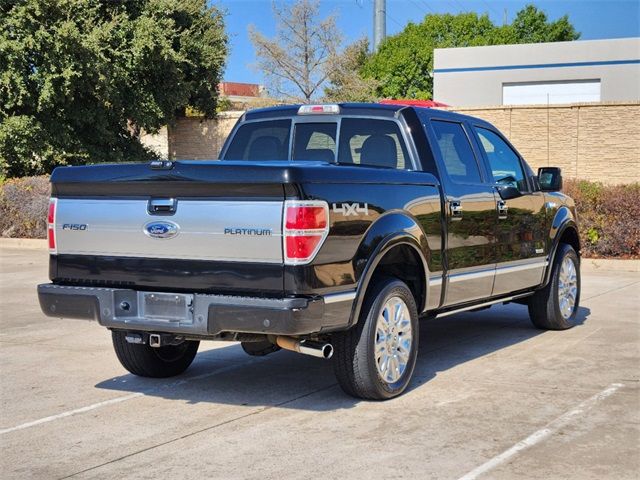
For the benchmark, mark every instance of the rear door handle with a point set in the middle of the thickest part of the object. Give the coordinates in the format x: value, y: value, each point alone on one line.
x: 503, y: 209
x: 456, y: 210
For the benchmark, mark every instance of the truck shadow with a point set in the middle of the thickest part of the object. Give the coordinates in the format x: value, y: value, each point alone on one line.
x: 226, y: 375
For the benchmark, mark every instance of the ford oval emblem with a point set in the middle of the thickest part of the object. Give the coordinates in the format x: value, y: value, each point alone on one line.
x: 161, y: 229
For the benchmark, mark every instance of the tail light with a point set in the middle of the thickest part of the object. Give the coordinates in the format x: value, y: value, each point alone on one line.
x: 51, y: 225
x: 306, y: 226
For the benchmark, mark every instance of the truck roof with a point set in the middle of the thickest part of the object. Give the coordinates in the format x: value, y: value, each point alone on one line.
x: 373, y: 109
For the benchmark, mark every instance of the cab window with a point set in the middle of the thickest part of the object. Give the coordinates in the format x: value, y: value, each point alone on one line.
x: 366, y: 141
x: 456, y: 152
x: 315, y: 141
x: 260, y: 141
x: 505, y: 164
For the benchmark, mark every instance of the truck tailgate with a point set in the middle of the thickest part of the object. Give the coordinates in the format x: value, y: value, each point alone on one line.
x: 207, y: 226
x: 224, y: 230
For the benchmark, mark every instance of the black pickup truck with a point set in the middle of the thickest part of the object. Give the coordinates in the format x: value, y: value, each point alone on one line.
x: 324, y: 229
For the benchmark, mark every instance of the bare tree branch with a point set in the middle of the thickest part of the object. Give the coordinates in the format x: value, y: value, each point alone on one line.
x: 296, y: 61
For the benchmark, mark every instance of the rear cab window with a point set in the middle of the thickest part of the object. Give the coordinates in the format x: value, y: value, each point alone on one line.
x: 349, y: 140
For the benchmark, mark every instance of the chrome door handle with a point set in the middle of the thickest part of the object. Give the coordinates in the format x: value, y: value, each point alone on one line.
x: 503, y: 209
x: 456, y: 211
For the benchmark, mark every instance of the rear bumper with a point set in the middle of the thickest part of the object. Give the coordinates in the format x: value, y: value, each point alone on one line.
x: 209, y: 315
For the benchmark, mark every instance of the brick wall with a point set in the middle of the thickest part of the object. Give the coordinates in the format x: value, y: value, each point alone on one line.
x: 197, y: 139
x: 599, y: 142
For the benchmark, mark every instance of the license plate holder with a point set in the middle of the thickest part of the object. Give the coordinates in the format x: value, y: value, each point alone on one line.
x: 168, y: 307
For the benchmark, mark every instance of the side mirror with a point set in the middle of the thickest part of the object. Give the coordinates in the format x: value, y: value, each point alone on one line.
x: 550, y: 179
x: 507, y: 192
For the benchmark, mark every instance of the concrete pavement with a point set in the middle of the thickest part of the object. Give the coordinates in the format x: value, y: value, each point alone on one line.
x: 491, y: 398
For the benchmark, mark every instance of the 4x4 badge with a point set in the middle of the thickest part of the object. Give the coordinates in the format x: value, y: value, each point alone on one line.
x: 354, y: 209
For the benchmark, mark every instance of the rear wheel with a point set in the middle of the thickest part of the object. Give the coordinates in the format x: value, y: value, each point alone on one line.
x: 375, y: 359
x: 146, y: 361
x: 555, y: 307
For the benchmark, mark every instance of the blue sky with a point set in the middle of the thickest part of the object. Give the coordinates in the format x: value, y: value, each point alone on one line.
x: 595, y: 19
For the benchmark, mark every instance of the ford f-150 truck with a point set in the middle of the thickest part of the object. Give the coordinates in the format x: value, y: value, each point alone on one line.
x: 329, y: 230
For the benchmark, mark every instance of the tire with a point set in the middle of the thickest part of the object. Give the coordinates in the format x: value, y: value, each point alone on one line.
x: 359, y: 370
x: 259, y: 349
x: 547, y: 310
x: 146, y: 361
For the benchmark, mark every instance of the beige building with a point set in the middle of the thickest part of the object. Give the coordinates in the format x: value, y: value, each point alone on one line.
x: 539, y: 74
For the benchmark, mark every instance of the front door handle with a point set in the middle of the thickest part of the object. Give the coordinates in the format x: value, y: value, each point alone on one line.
x: 503, y: 209
x: 456, y: 211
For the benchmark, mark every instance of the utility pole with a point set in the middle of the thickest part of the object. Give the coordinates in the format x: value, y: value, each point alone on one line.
x: 379, y: 23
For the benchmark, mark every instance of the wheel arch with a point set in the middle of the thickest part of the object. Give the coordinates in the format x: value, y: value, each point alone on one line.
x: 564, y: 229
x: 394, y: 246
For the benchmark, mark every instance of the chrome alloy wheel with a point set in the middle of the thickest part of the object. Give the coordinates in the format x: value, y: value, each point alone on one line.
x: 393, y: 340
x: 567, y: 287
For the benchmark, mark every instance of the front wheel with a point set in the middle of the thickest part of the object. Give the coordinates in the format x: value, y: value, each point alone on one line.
x: 375, y: 359
x: 555, y: 307
x: 146, y: 361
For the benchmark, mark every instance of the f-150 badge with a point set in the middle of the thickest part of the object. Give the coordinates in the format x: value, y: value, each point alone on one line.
x: 347, y: 209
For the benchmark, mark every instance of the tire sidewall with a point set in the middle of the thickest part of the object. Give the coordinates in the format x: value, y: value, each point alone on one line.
x: 384, y: 290
x: 564, y: 251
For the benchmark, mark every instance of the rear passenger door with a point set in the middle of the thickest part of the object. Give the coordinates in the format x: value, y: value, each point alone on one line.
x: 470, y: 205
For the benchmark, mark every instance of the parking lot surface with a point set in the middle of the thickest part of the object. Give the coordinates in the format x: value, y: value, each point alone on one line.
x: 492, y: 397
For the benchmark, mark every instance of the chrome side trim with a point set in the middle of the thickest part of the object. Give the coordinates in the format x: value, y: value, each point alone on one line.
x: 435, y: 281
x: 339, y: 297
x: 519, y: 268
x: 480, y: 305
x: 461, y: 277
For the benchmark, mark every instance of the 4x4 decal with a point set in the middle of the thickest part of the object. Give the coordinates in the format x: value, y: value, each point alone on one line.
x: 348, y: 209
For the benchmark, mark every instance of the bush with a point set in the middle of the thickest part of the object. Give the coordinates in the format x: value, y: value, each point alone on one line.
x: 608, y: 218
x: 23, y: 207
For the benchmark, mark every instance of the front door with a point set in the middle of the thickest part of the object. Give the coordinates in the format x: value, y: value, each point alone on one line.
x: 470, y: 203
x: 521, y: 223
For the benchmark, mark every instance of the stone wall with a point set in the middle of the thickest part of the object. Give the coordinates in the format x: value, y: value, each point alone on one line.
x: 599, y: 142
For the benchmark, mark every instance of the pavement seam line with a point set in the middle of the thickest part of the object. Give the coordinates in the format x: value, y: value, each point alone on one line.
x: 544, y: 433
x: 202, y: 430
x: 609, y: 291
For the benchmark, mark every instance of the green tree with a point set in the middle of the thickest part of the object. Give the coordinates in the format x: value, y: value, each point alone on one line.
x: 532, y: 26
x: 404, y: 63
x: 79, y: 79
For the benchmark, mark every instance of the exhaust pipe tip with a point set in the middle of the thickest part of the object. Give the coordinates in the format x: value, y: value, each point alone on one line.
x: 327, y: 351
x: 306, y: 347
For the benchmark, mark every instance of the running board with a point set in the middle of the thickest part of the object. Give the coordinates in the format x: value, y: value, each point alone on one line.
x: 482, y: 305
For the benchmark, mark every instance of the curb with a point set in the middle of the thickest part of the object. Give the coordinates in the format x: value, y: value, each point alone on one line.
x: 26, y: 243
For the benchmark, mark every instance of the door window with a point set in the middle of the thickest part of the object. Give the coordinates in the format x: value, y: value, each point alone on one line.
x: 504, y: 162
x: 456, y: 152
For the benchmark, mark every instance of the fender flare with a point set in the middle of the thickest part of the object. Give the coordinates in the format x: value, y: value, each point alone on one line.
x: 563, y: 220
x: 383, y: 236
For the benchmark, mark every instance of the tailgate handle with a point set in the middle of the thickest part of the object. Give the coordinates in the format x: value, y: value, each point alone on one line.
x: 162, y: 206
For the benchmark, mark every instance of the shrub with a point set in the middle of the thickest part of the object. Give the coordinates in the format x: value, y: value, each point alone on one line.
x: 608, y: 218
x: 23, y: 207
